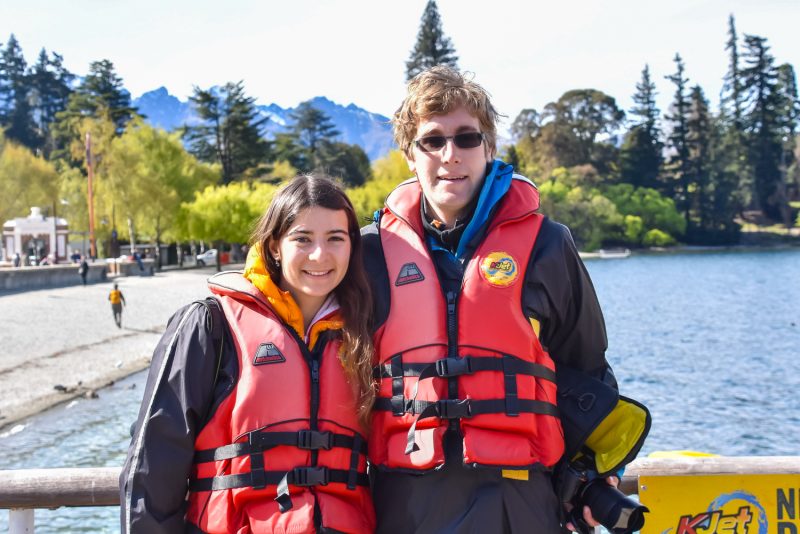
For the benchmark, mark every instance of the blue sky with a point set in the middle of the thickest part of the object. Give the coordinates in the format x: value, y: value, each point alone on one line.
x: 526, y: 53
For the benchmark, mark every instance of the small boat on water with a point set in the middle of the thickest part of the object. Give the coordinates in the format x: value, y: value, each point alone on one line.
x: 613, y: 253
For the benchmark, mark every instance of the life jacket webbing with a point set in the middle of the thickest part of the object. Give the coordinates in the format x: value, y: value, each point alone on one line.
x: 467, y: 365
x: 466, y: 408
x: 299, y: 476
x: 511, y: 405
x: 260, y: 441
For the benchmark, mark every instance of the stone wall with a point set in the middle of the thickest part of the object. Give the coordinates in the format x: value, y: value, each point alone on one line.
x: 24, y: 278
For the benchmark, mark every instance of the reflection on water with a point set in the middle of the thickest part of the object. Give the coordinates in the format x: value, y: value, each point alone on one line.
x: 707, y: 341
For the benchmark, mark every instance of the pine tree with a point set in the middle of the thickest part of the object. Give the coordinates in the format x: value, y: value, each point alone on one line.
x: 698, y: 144
x: 760, y: 87
x: 733, y: 142
x: 640, y: 157
x: 788, y: 107
x: 347, y: 162
x: 100, y: 94
x: 678, y: 143
x: 50, y: 84
x: 788, y: 118
x: 15, y: 111
x: 231, y: 131
x: 433, y: 47
x: 312, y: 129
x: 732, y: 97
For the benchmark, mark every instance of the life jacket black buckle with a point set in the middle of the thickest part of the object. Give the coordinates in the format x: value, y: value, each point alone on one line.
x: 454, y: 408
x: 454, y: 367
x: 310, y: 476
x: 313, y: 440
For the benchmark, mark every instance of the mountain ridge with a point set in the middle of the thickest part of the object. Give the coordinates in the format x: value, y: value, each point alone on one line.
x: 356, y: 126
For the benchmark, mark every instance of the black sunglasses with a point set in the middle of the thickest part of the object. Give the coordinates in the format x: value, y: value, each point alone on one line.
x: 432, y: 143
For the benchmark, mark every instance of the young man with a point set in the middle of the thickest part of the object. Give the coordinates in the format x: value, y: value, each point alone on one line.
x: 117, y: 301
x: 477, y: 300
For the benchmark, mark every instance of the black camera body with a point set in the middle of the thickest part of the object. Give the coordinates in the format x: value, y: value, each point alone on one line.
x: 617, y: 512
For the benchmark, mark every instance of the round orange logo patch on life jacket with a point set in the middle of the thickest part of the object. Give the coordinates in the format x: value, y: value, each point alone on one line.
x: 500, y: 269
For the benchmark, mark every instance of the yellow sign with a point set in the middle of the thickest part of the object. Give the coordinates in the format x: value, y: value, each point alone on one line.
x: 500, y: 269
x: 721, y: 504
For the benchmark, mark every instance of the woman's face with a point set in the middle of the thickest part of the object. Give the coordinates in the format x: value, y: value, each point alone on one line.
x: 314, y: 254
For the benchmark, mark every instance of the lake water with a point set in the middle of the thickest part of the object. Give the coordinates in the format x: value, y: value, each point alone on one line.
x: 709, y: 342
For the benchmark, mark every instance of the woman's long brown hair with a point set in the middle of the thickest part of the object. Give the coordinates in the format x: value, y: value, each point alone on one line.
x: 355, y: 299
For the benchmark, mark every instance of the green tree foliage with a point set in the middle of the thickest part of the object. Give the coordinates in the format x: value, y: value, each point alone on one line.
x: 712, y: 205
x: 231, y: 132
x: 788, y: 117
x: 15, y: 110
x: 311, y: 131
x: 732, y: 96
x: 590, y: 216
x: 526, y: 125
x: 100, y: 96
x: 50, y: 84
x: 433, y: 47
x: 699, y: 132
x: 311, y: 146
x: 733, y: 154
x: 349, y: 163
x: 644, y: 210
x: 388, y: 172
x: 102, y: 88
x: 762, y: 125
x: 678, y: 164
x: 150, y: 175
x: 286, y: 148
x: 579, y: 129
x: 640, y: 157
x: 26, y: 180
x: 225, y: 213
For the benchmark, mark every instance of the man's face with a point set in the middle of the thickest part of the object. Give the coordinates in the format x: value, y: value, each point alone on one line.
x: 449, y: 176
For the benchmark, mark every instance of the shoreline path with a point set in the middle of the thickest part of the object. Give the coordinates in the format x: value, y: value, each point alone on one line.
x: 60, y: 343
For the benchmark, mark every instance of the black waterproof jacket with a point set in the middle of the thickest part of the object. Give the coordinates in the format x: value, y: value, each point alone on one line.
x: 180, y: 396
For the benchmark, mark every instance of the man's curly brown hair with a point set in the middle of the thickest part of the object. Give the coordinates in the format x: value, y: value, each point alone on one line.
x: 438, y: 91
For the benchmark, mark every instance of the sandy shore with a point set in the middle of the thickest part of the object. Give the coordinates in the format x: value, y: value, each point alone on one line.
x: 58, y: 344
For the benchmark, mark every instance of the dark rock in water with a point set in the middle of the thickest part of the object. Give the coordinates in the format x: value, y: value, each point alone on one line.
x: 91, y: 394
x: 132, y: 386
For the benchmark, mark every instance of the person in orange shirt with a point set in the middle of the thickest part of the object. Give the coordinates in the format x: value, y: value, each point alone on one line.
x: 117, y: 301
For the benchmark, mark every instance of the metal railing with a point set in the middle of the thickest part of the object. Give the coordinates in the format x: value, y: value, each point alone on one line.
x: 24, y: 490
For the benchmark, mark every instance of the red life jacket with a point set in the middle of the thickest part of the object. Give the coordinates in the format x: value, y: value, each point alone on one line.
x: 471, y: 357
x: 283, y: 452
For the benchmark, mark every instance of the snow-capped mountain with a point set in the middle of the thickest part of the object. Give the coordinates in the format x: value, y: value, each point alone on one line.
x: 356, y: 126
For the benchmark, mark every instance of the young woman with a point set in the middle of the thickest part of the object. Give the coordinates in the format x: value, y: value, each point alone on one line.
x: 255, y: 423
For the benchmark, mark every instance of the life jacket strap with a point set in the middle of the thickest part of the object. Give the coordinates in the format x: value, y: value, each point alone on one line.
x: 260, y: 441
x: 467, y: 365
x: 463, y: 408
x: 299, y: 476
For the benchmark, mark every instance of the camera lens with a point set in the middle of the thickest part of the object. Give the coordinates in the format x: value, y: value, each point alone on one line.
x: 612, y: 508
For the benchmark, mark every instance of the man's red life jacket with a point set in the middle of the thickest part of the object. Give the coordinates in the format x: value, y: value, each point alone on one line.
x: 471, y: 357
x: 283, y: 452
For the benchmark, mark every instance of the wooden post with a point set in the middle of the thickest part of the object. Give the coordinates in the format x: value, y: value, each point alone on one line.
x: 90, y: 196
x: 20, y: 521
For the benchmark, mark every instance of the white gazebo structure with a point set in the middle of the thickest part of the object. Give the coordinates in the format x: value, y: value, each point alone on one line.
x: 35, y: 235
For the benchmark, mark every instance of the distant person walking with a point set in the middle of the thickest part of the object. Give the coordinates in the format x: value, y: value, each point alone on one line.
x: 83, y: 269
x: 117, y: 300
